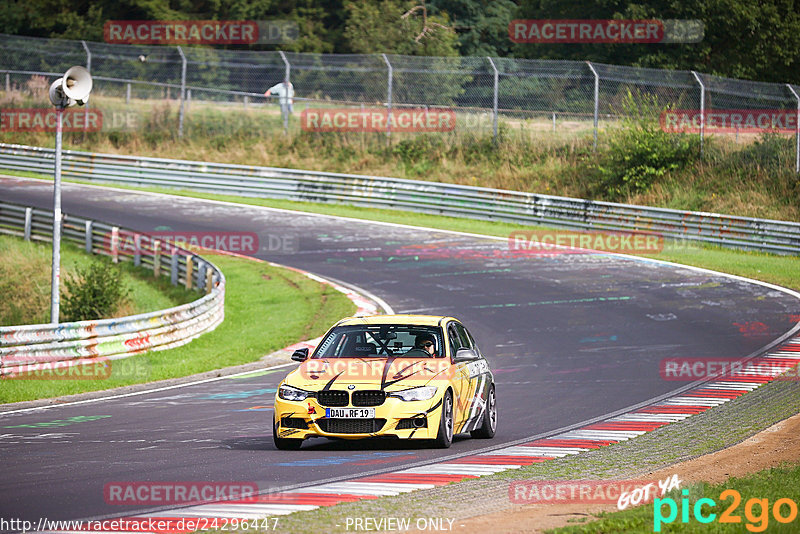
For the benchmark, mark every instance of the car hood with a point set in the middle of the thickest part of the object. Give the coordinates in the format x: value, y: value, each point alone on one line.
x: 390, y: 374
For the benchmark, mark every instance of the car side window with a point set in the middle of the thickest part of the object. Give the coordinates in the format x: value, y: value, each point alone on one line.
x: 463, y: 337
x: 472, y: 342
x: 455, y: 343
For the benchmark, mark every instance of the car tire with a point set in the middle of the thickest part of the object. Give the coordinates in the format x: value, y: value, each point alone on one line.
x: 489, y: 419
x: 446, y: 421
x: 285, y: 444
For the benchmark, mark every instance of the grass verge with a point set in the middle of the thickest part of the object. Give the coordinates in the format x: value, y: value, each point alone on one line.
x: 25, y: 282
x: 266, y: 309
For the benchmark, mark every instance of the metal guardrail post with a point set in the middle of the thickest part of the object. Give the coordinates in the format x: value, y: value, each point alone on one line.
x: 494, y: 100
x: 702, y: 110
x: 28, y: 216
x: 173, y: 265
x: 389, y: 82
x: 796, y: 131
x: 188, y: 283
x: 286, y: 76
x: 596, y: 100
x: 137, y: 252
x: 156, y: 258
x: 183, y: 91
x: 115, y: 244
x: 88, y: 229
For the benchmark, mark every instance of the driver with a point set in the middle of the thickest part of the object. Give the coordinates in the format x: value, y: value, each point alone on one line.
x: 427, y: 343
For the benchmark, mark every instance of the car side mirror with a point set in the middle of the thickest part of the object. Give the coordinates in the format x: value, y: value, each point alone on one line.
x: 466, y: 355
x: 300, y: 355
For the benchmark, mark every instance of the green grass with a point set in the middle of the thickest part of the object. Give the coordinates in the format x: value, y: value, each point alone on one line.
x: 769, y: 484
x: 266, y: 309
x: 25, y: 269
x: 773, y: 268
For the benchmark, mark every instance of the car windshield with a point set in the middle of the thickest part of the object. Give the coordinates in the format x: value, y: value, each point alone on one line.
x: 380, y: 341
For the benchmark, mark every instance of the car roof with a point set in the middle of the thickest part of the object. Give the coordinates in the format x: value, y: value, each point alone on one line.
x: 417, y: 320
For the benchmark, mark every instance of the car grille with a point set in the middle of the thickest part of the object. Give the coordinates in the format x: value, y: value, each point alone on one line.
x: 333, y: 398
x: 350, y: 426
x: 368, y: 398
x: 294, y: 422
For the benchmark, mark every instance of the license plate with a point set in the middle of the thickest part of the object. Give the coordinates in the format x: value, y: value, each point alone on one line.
x: 350, y: 413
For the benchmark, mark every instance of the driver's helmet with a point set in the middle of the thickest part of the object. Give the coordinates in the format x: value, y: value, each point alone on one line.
x: 422, y: 338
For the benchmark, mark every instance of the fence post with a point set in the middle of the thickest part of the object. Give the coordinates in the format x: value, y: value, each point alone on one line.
x: 183, y: 91
x: 554, y: 122
x: 596, y: 100
x: 127, y: 93
x: 189, y: 282
x: 796, y: 131
x: 173, y: 265
x: 286, y: 76
x: 201, y: 273
x: 8, y: 82
x: 115, y: 244
x: 89, y: 68
x: 137, y: 252
x: 388, y: 97
x: 156, y: 258
x: 702, y: 110
x: 88, y: 229
x: 494, y: 100
x: 27, y: 229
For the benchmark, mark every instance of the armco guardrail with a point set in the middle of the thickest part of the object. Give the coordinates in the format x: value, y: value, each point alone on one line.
x: 430, y: 197
x: 30, y: 347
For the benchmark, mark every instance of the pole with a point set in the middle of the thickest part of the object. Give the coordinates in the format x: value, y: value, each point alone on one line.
x: 89, y: 68
x: 596, y: 100
x: 55, y: 279
x: 702, y: 110
x: 287, y: 72
x: 388, y: 97
x: 796, y: 131
x: 494, y: 101
x: 183, y: 91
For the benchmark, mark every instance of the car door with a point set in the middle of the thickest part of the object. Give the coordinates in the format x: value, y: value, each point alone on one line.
x: 460, y: 379
x: 479, y: 380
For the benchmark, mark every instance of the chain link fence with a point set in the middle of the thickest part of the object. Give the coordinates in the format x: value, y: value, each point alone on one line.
x: 569, y: 98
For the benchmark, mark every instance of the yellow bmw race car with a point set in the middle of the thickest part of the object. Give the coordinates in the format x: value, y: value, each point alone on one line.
x: 402, y: 376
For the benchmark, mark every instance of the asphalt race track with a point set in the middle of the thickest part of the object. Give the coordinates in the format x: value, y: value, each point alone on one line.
x: 570, y: 337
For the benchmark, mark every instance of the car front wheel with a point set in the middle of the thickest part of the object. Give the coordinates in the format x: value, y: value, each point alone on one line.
x: 285, y: 444
x: 445, y: 436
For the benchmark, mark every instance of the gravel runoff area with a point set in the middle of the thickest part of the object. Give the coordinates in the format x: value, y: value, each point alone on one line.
x: 484, y: 503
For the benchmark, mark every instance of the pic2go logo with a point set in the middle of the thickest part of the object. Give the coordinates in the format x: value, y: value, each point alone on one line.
x: 758, y: 521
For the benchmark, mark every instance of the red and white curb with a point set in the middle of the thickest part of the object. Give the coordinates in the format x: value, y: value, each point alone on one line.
x: 758, y: 371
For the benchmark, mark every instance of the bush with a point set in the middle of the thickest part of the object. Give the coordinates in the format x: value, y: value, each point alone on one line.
x: 640, y: 152
x: 95, y: 292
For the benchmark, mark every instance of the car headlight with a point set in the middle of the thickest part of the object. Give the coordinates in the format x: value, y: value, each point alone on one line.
x: 415, y: 394
x: 292, y: 394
